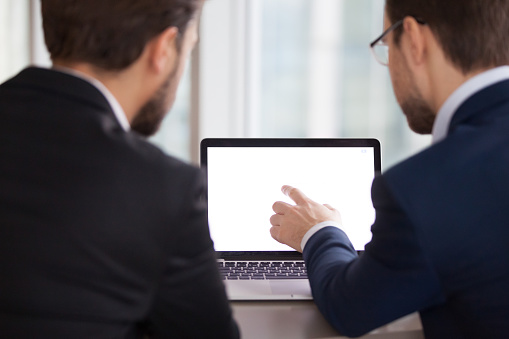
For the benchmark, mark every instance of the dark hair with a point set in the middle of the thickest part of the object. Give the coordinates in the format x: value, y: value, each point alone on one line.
x: 110, y: 34
x: 472, y: 33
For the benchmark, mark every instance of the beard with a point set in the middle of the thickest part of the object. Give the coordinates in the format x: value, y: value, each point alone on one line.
x: 149, y: 118
x: 420, y: 116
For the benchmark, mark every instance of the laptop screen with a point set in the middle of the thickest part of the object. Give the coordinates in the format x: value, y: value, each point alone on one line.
x: 245, y: 177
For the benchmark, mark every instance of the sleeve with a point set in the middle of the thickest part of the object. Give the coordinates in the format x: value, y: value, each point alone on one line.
x: 390, y: 279
x: 191, y: 301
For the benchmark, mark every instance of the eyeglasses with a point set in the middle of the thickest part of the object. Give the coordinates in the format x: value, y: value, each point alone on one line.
x: 379, y: 46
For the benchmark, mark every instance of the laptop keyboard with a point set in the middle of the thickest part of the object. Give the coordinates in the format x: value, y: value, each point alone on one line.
x: 261, y: 270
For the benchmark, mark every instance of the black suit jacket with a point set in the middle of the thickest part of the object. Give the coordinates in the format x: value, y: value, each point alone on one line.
x: 440, y: 239
x: 101, y: 234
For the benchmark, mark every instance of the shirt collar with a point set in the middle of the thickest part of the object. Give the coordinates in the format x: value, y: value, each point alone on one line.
x: 118, y: 111
x: 460, y: 95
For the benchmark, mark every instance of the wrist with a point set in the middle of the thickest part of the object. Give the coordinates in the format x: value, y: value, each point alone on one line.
x: 315, y: 229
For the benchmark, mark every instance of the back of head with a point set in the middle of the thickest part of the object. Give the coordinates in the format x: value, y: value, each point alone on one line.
x: 110, y: 34
x: 472, y: 33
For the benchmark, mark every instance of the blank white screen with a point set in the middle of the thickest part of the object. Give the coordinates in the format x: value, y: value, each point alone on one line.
x: 244, y: 183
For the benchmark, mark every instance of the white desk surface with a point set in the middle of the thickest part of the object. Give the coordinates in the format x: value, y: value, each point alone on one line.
x: 302, y: 320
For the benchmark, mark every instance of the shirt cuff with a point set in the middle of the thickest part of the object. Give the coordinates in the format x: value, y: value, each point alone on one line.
x: 315, y: 229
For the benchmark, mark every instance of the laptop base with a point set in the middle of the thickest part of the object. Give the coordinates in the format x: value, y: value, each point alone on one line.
x: 297, y: 289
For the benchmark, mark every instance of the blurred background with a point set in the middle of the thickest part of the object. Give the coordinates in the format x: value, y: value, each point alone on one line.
x: 263, y: 68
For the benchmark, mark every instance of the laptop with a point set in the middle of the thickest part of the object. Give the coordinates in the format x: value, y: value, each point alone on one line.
x: 244, y: 179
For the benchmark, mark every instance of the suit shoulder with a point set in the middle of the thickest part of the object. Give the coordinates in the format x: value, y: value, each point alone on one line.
x: 149, y: 154
x: 147, y: 168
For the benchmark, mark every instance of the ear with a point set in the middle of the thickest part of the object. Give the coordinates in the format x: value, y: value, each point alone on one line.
x: 163, y: 49
x: 416, y: 41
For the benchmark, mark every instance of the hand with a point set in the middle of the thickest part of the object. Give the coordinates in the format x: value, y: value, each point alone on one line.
x: 291, y: 222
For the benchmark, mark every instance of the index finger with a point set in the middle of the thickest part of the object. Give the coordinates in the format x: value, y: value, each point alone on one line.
x: 295, y: 194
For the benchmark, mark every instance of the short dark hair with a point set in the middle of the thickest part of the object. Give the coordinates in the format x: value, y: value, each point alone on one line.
x: 472, y: 33
x: 110, y: 34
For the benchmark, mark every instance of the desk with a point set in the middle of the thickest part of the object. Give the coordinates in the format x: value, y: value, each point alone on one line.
x: 302, y: 320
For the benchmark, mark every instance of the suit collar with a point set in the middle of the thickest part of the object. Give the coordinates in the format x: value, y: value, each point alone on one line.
x: 462, y: 95
x: 113, y: 102
x: 481, y: 104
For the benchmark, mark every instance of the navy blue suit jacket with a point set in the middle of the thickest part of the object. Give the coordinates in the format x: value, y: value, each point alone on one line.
x: 101, y: 234
x: 440, y: 238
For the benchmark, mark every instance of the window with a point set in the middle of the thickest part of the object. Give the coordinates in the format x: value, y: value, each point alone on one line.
x: 14, y: 37
x: 298, y: 68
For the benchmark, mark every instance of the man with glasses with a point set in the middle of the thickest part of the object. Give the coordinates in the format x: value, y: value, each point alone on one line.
x: 440, y: 236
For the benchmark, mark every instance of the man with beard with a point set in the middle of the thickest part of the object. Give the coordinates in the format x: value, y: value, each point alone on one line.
x: 101, y: 234
x: 439, y: 241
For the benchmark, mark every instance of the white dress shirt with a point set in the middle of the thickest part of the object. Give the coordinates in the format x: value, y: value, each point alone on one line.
x: 442, y: 120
